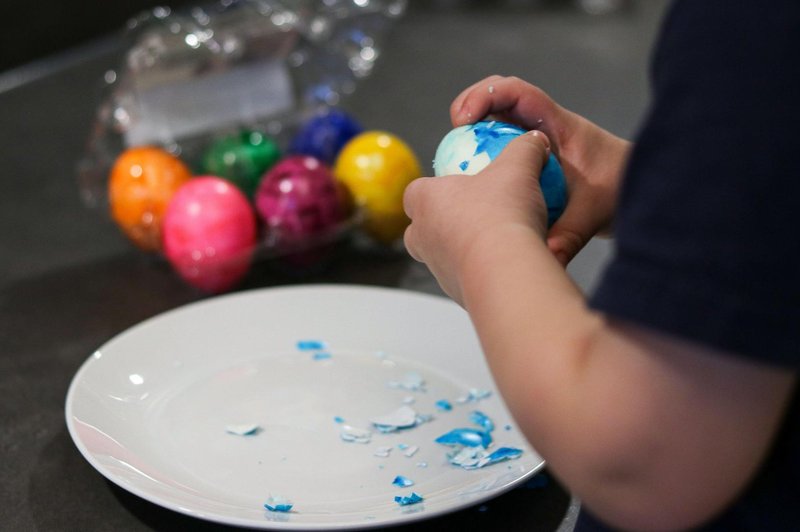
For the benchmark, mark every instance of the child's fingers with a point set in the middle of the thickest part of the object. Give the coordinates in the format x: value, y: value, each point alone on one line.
x: 509, y: 97
x: 565, y: 243
x: 410, y: 195
x: 410, y: 198
x: 456, y: 116
x: 576, y: 225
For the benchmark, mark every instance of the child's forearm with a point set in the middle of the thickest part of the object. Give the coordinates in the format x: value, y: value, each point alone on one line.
x: 603, y: 403
x: 533, y: 325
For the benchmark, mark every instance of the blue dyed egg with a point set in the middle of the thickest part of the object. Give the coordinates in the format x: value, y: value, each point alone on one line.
x: 469, y: 149
x: 324, y: 135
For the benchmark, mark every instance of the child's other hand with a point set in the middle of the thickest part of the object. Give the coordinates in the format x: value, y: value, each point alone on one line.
x: 457, y: 219
x: 593, y: 159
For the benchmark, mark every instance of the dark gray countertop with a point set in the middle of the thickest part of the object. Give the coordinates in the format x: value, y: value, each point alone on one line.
x: 69, y: 281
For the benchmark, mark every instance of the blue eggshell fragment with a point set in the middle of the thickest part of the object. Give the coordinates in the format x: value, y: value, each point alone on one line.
x: 444, y: 404
x: 355, y: 435
x: 466, y: 458
x: 466, y: 438
x: 482, y: 420
x: 411, y: 451
x: 402, y: 481
x: 278, y: 504
x: 324, y: 135
x: 471, y: 445
x: 310, y: 345
x: 248, y: 429
x: 403, y: 418
x: 414, y: 498
x: 474, y: 395
x: 472, y: 458
x: 501, y: 454
x: 382, y: 452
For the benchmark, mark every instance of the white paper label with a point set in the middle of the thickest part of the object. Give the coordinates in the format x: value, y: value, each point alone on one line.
x: 192, y: 107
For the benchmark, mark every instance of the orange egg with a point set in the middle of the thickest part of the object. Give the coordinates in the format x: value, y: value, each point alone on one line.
x: 141, y: 184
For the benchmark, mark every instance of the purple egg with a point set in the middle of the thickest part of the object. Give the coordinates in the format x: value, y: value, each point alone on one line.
x: 299, y: 200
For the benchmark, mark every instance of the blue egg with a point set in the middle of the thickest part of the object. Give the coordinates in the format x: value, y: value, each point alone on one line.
x: 324, y: 135
x: 469, y: 149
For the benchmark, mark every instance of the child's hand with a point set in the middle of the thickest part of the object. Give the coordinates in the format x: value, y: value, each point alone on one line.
x: 455, y: 219
x: 593, y: 159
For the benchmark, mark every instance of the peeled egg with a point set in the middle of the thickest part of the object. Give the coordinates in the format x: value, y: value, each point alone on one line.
x: 376, y: 167
x: 469, y: 149
x: 210, y: 233
x: 141, y: 184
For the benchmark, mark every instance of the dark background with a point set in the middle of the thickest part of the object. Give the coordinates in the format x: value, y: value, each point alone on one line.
x: 34, y: 30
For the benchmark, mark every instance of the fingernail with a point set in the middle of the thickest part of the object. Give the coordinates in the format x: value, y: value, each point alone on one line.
x: 536, y: 133
x: 465, y: 116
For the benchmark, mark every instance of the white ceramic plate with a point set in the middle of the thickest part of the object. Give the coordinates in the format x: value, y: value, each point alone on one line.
x: 150, y: 409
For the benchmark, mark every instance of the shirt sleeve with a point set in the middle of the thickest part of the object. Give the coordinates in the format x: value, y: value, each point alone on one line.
x: 707, y: 245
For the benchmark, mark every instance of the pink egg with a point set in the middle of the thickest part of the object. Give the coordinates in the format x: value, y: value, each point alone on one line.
x: 209, y: 233
x: 299, y: 199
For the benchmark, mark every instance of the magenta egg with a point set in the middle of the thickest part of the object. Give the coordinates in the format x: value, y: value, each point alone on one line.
x: 209, y: 233
x: 299, y: 199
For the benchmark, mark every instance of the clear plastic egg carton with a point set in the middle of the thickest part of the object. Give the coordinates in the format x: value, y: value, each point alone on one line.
x: 188, y: 78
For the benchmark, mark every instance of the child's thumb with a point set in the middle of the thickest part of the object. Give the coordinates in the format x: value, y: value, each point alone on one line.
x: 525, y: 155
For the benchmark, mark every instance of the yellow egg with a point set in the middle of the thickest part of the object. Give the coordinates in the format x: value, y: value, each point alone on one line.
x: 376, y: 167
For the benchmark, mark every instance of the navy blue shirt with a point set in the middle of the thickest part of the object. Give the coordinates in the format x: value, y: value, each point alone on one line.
x: 707, y: 245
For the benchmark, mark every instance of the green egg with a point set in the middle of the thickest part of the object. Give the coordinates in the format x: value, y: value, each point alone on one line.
x: 242, y: 159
